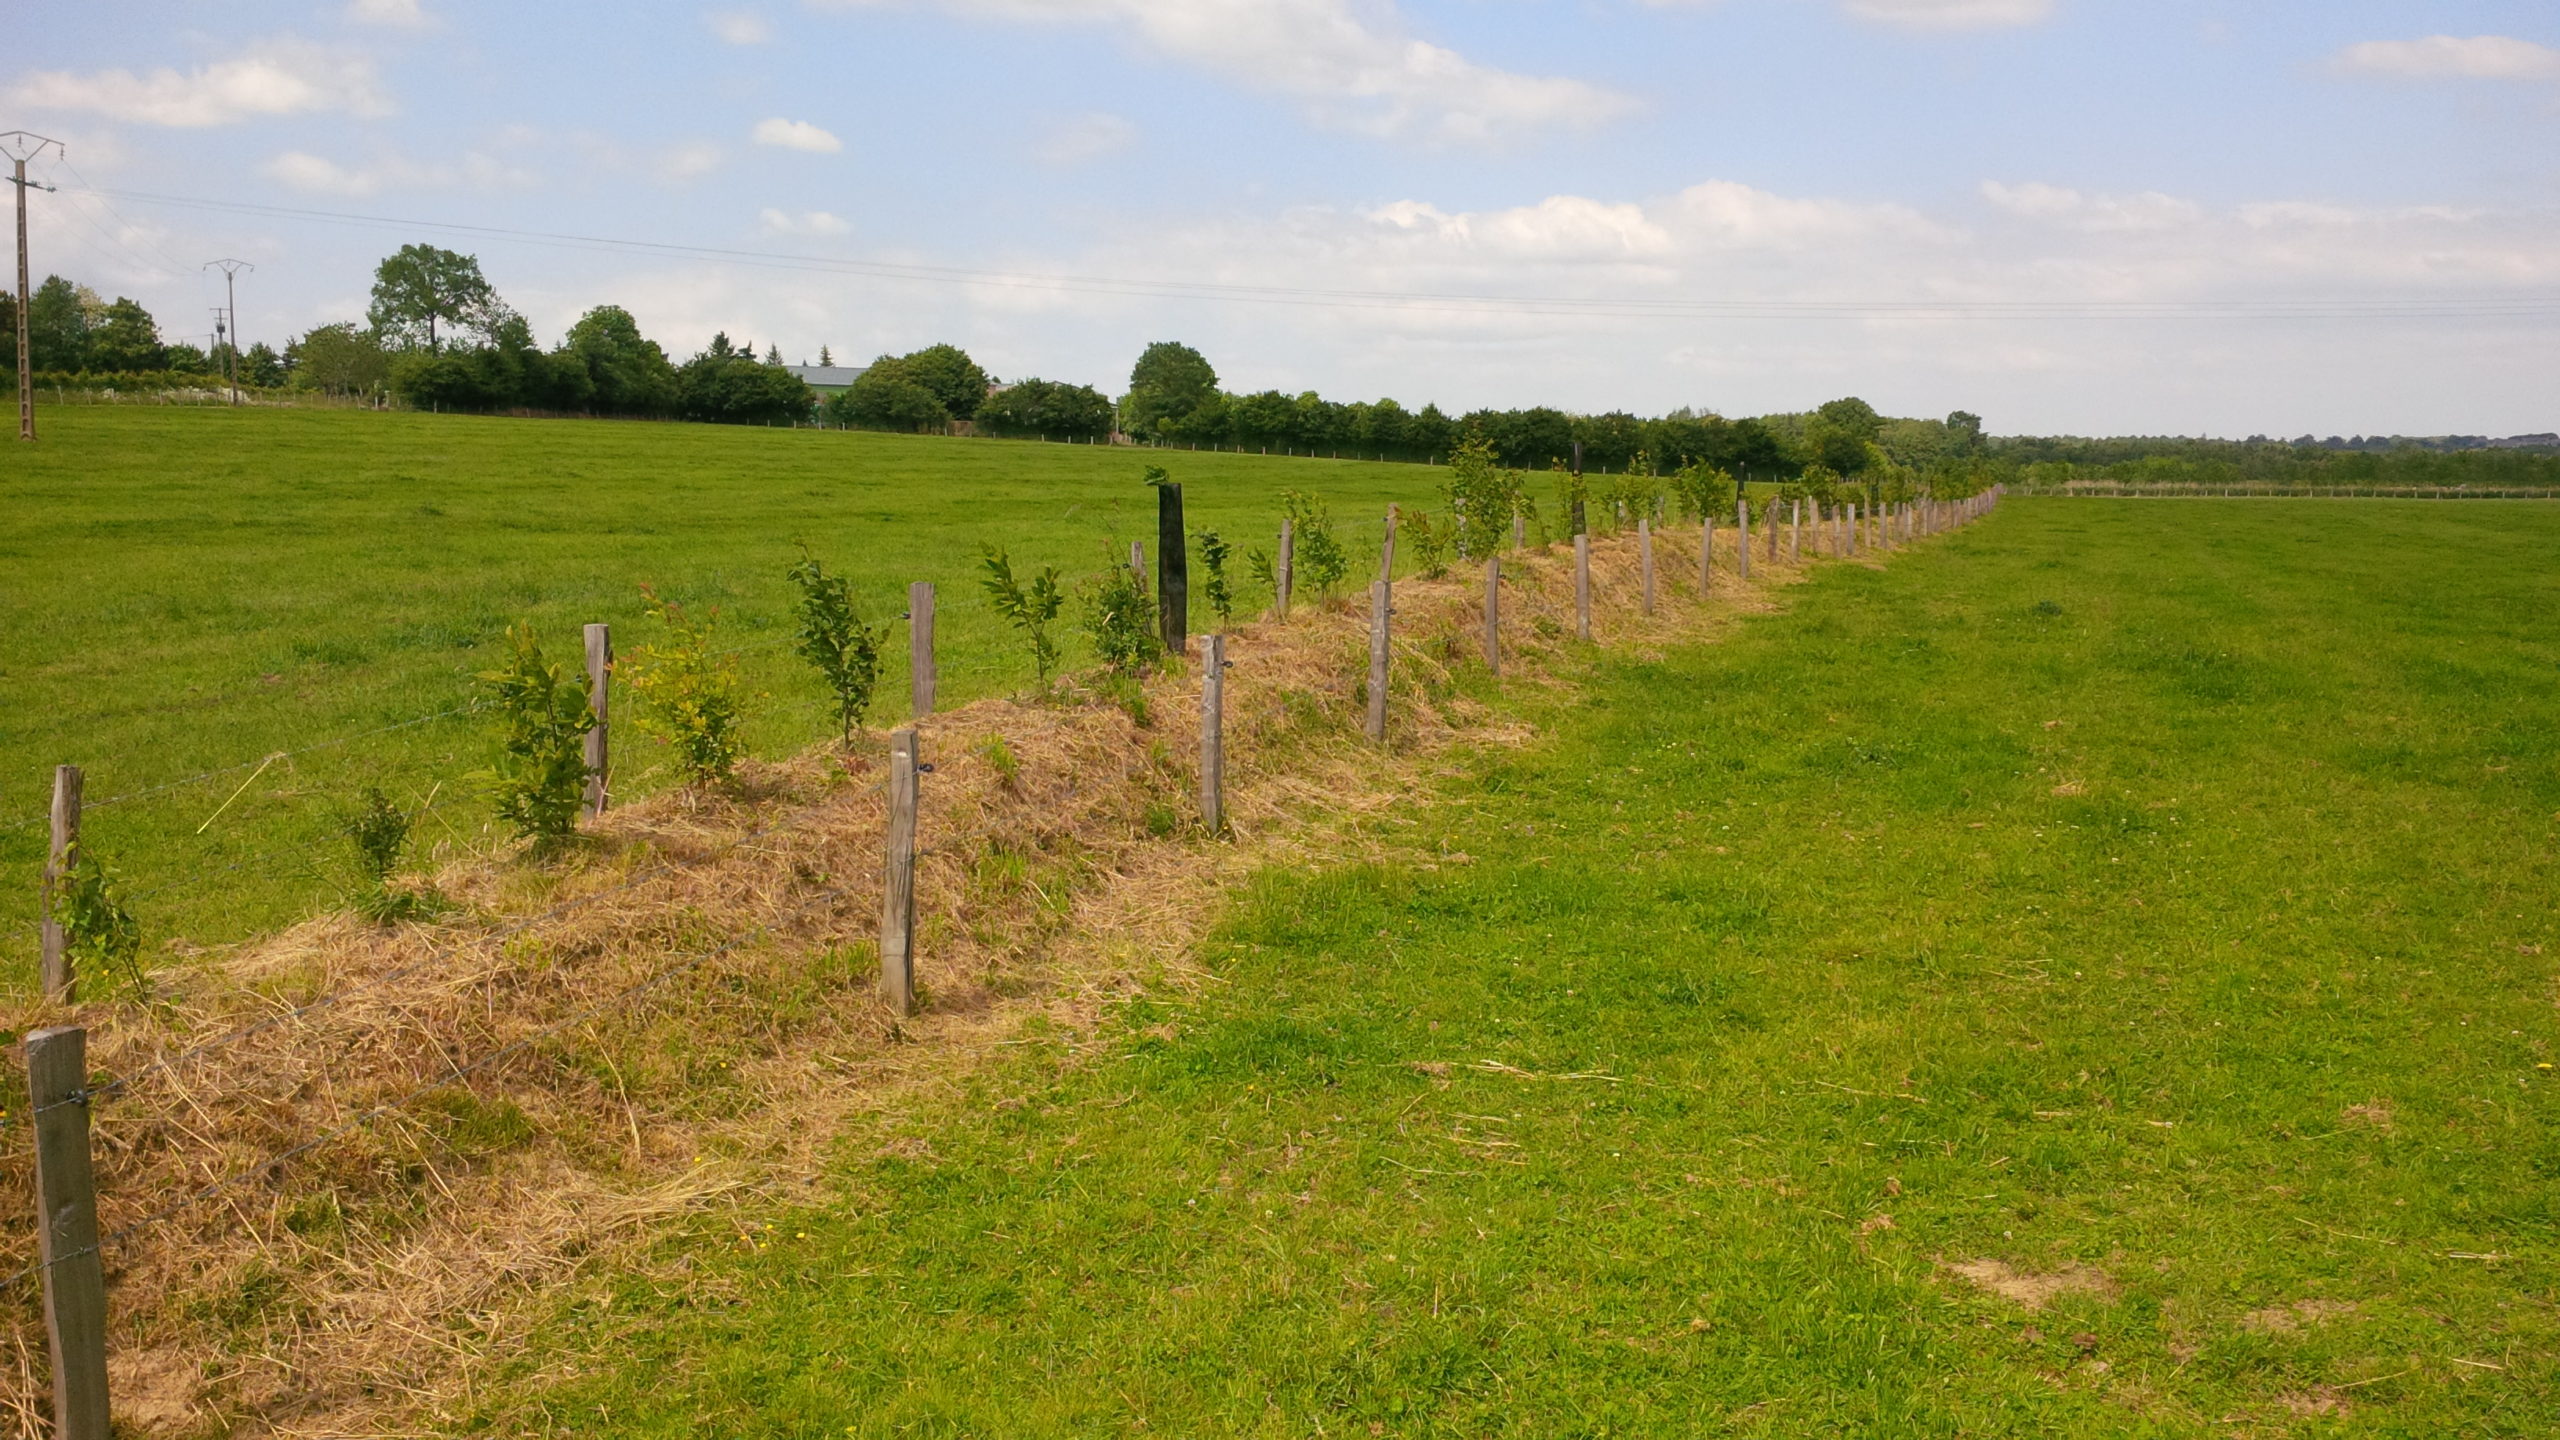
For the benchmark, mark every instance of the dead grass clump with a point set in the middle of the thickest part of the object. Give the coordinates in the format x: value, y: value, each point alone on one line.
x: 678, y: 1011
x: 2034, y: 1291
x: 2290, y: 1319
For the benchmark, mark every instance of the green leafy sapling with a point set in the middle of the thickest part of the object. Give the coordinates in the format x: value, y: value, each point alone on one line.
x: 1027, y: 608
x: 97, y: 926
x: 1216, y: 589
x: 1120, y: 619
x: 1483, y: 497
x: 835, y: 639
x: 377, y: 831
x: 1426, y: 542
x: 1320, y: 562
x: 540, y: 777
x: 1703, y: 490
x: 690, y: 693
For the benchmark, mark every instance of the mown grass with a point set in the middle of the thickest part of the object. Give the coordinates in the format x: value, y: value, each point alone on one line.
x: 2157, y: 889
x: 194, y: 589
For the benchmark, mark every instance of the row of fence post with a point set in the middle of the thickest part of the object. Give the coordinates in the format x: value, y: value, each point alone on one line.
x: 74, y: 1277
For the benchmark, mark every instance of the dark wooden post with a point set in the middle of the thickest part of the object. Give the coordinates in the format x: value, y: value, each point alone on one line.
x: 75, y: 1282
x: 1742, y: 534
x: 600, y: 706
x: 61, y: 986
x: 898, y: 888
x: 1581, y: 525
x: 920, y: 669
x: 1173, y: 570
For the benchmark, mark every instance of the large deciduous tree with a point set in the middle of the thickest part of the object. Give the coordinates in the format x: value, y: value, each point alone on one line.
x: 1047, y: 408
x: 126, y: 338
x: 1842, y: 435
x: 58, y: 319
x: 627, y: 373
x: 423, y: 296
x: 951, y: 375
x: 1170, y: 381
x: 339, y: 360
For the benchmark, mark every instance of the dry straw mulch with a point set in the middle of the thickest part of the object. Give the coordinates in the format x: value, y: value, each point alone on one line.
x: 680, y: 1013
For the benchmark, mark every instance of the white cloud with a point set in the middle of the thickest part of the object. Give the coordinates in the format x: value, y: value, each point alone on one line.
x: 796, y: 135
x: 390, y: 14
x: 2149, y: 210
x: 807, y: 222
x: 1352, y: 62
x: 2447, y: 57
x: 318, y: 175
x: 690, y: 160
x: 284, y: 76
x: 1952, y: 14
x: 1084, y: 138
x: 738, y: 27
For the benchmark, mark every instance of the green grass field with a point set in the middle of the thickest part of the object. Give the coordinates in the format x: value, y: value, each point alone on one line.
x: 192, y: 590
x: 2153, y: 897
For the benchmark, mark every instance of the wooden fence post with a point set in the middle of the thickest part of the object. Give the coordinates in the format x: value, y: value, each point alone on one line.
x: 1387, y: 552
x: 920, y: 674
x: 1213, y: 733
x: 1380, y: 597
x: 1285, y: 572
x: 1519, y: 531
x: 1493, y: 613
x: 1582, y: 586
x: 1173, y: 570
x: 1644, y: 553
x: 1706, y: 554
x: 898, y: 887
x: 599, y: 706
x: 75, y: 1281
x: 61, y: 986
x: 1742, y: 535
x: 1774, y: 517
x: 1795, y: 533
x: 1857, y: 527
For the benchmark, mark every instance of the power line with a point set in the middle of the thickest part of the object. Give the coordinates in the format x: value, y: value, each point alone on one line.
x: 2523, y: 306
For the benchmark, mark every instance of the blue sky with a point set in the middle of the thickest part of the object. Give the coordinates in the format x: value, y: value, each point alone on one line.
x: 2183, y: 216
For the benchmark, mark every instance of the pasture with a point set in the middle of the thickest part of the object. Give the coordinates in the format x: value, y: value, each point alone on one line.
x: 195, y: 590
x: 2092, y: 976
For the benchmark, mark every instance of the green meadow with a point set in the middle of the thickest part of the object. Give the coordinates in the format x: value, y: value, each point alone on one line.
x: 2141, y: 908
x: 195, y: 590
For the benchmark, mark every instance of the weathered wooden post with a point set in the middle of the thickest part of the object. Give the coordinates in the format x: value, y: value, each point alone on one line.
x: 1493, y: 613
x: 61, y: 986
x: 1582, y: 586
x: 1285, y: 572
x: 1173, y: 570
x: 1706, y: 554
x: 1742, y: 535
x: 1774, y: 517
x: 1644, y: 554
x: 1581, y: 521
x: 1387, y: 551
x: 1795, y: 533
x: 898, y: 879
x: 75, y: 1281
x: 1519, y: 530
x: 1213, y: 733
x: 600, y: 711
x: 1379, y: 605
x: 920, y: 673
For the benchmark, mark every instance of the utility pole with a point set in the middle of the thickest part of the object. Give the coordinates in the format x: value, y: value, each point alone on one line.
x: 22, y: 147
x: 231, y: 299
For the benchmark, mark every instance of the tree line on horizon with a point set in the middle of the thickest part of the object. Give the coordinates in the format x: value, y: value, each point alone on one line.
x: 437, y: 336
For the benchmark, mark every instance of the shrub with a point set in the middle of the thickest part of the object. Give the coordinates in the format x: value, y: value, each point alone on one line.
x: 541, y: 773
x: 834, y: 638
x: 1121, y: 620
x: 1483, y: 497
x: 693, y: 696
x: 96, y: 924
x: 379, y: 832
x: 1703, y: 489
x: 1220, y: 594
x: 1029, y: 610
x: 1428, y: 542
x: 1321, y: 561
x: 1573, y: 497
